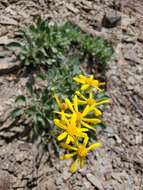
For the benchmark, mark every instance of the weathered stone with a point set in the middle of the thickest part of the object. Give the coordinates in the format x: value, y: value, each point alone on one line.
x: 8, y: 64
x: 4, y: 181
x: 111, y: 19
x: 86, y: 183
x: 8, y: 21
x: 132, y: 56
x: 4, y: 40
x: 72, y: 8
x: 95, y: 180
x: 49, y: 185
x: 66, y: 175
x: 140, y: 37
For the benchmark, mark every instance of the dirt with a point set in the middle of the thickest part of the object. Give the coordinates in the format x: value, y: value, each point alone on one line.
x: 118, y: 165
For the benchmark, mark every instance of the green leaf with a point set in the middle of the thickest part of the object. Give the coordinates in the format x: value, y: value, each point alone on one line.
x: 17, y: 112
x: 31, y: 111
x: 102, y: 126
x: 20, y: 99
x: 29, y: 86
x: 14, y: 44
x: 101, y: 96
x: 41, y: 76
x: 41, y: 120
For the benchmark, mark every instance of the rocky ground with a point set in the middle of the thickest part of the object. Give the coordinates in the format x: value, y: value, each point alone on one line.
x: 119, y: 164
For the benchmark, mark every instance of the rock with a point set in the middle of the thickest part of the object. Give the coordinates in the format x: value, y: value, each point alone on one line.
x: 66, y: 175
x: 118, y: 139
x: 59, y: 181
x: 86, y: 183
x: 7, y: 135
x: 24, y: 147
x: 139, y: 138
x: 4, y: 181
x: 131, y: 55
x: 140, y: 37
x: 42, y: 3
x: 120, y: 176
x: 127, y: 21
x: 8, y: 64
x: 111, y: 19
x: 109, y: 131
x: 12, y: 1
x: 2, y: 142
x: 8, y: 21
x: 10, y: 11
x: 95, y: 180
x: 72, y: 8
x: 4, y: 2
x: 96, y: 26
x: 129, y: 39
x: 48, y: 185
x: 4, y: 40
x: 19, y: 184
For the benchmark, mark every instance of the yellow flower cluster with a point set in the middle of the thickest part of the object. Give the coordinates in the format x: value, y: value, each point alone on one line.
x: 77, y: 117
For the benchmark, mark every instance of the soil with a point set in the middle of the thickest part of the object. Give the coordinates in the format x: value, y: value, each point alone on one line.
x: 118, y: 165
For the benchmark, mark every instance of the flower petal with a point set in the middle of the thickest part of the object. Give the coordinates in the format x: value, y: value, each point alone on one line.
x: 74, y: 166
x: 57, y: 100
x: 102, y: 83
x: 91, y: 77
x: 88, y: 109
x: 64, y: 114
x: 84, y: 129
x: 79, y: 80
x: 95, y: 145
x: 68, y: 140
x: 85, y: 141
x: 97, y: 112
x: 62, y: 136
x: 64, y: 145
x: 59, y: 124
x: 75, y: 102
x: 73, y: 119
x: 81, y: 95
x: 92, y: 120
x: 85, y: 111
x: 80, y: 102
x: 67, y: 156
x: 97, y: 88
x: 90, y: 95
x: 84, y: 86
x: 63, y: 117
x: 88, y: 126
x: 82, y: 162
x: 69, y: 104
x: 103, y: 102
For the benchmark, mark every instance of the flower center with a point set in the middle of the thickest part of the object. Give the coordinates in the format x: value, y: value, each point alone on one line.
x: 72, y: 131
x: 82, y: 151
x: 88, y: 81
x: 91, y: 101
x: 63, y: 106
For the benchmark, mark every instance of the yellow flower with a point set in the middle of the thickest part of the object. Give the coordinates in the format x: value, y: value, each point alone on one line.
x: 71, y: 132
x: 80, y: 151
x: 88, y: 82
x: 91, y: 102
x: 62, y: 105
x: 81, y: 119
